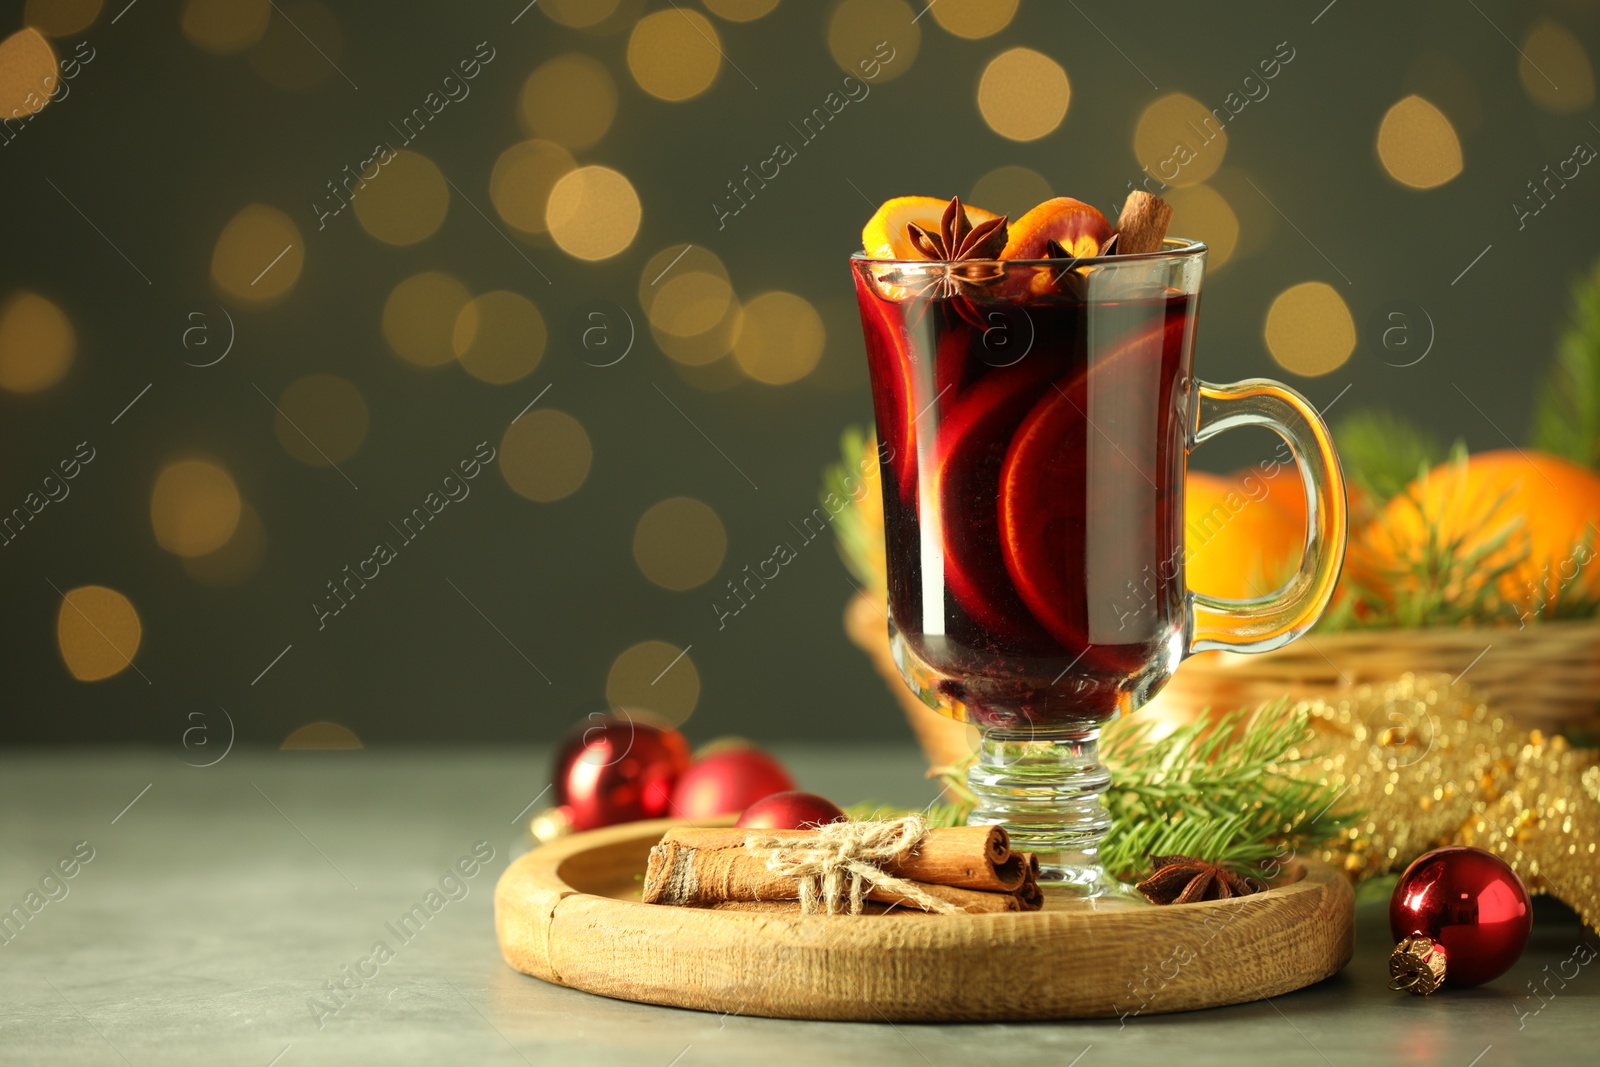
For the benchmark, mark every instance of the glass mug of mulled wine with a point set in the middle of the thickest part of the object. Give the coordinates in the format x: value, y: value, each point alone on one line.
x: 1035, y: 420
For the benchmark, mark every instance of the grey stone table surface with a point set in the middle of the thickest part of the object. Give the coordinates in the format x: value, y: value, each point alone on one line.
x: 207, y: 909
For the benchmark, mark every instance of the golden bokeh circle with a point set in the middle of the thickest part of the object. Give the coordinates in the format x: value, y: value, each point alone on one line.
x: 704, y: 349
x: 877, y: 36
x: 690, y: 303
x: 655, y: 677
x: 406, y: 202
x: 740, y: 10
x: 194, y: 507
x: 570, y: 100
x: 674, y: 54
x: 1010, y: 190
x: 578, y: 14
x: 593, y: 213
x: 235, y: 561
x: 1179, y: 141
x: 780, y: 339
x: 1417, y: 145
x: 1555, y: 70
x: 679, y: 543
x: 520, y: 184
x: 258, y: 257
x: 37, y: 343
x: 974, y: 19
x: 1023, y: 94
x: 545, y: 455
x: 1310, y: 330
x: 686, y: 305
x: 419, y: 318
x: 27, y: 74
x: 321, y: 420
x: 224, y: 27
x: 1201, y: 213
x: 298, y: 50
x: 98, y: 632
x: 673, y: 260
x: 499, y: 337
x: 322, y: 736
x: 61, y: 18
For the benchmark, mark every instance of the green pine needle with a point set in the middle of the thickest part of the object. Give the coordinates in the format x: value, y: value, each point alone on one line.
x: 1566, y: 420
x: 854, y: 539
x: 1221, y: 789
x: 1382, y: 452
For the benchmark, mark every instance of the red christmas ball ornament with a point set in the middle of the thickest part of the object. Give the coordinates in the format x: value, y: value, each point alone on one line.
x: 617, y: 768
x: 728, y: 781
x: 1461, y: 916
x: 793, y: 810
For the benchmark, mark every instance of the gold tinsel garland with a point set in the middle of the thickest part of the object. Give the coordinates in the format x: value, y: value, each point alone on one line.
x: 1432, y: 765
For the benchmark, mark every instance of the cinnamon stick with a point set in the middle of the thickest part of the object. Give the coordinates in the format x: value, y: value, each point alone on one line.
x: 1142, y: 224
x: 968, y: 857
x: 684, y: 874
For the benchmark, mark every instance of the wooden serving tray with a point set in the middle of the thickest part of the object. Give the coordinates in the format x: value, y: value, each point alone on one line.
x: 570, y: 913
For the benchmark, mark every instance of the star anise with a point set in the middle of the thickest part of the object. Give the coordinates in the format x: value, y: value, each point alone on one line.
x: 958, y: 238
x: 962, y: 257
x: 1184, y: 880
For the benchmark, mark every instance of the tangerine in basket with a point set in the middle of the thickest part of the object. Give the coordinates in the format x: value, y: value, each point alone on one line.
x: 1544, y: 509
x: 1240, y: 542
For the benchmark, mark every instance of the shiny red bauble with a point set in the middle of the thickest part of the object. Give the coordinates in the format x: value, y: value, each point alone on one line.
x: 1470, y: 903
x: 728, y: 781
x: 618, y: 768
x: 793, y: 810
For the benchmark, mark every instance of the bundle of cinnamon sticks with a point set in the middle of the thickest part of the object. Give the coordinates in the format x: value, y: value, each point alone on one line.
x: 966, y: 868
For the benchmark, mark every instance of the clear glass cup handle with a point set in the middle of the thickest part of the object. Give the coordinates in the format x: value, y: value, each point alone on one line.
x: 1260, y: 624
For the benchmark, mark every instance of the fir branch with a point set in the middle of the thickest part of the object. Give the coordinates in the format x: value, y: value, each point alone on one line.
x: 1381, y: 452
x: 1566, y: 420
x: 1221, y: 789
x: 858, y: 539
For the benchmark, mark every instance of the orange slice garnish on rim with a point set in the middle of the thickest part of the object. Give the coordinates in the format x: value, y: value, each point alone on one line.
x: 1076, y: 228
x: 884, y: 236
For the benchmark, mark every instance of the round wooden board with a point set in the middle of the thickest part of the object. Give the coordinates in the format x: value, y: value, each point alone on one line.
x: 570, y: 913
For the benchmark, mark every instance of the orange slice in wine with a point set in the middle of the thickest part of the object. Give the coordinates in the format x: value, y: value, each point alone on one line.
x: 973, y: 436
x: 893, y: 386
x: 1044, y: 485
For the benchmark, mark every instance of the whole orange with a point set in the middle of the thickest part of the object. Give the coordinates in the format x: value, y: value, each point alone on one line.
x: 1547, y: 509
x: 1238, y: 541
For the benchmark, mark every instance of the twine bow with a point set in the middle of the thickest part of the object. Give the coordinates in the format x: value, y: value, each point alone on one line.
x: 844, y: 860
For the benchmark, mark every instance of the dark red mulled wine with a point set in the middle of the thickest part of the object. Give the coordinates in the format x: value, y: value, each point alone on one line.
x: 1033, y: 429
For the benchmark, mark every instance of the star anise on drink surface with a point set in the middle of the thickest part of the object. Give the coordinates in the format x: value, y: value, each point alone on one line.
x: 961, y: 255
x: 1184, y: 880
x: 958, y: 238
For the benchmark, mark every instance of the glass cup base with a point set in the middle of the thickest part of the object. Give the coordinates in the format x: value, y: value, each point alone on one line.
x: 1045, y: 787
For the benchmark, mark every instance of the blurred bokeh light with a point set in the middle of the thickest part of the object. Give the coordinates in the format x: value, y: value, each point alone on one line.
x: 194, y: 507
x: 98, y: 632
x: 1023, y: 94
x: 1309, y: 329
x: 545, y: 455
x: 1417, y: 144
x: 656, y: 677
x: 37, y: 343
x: 679, y: 543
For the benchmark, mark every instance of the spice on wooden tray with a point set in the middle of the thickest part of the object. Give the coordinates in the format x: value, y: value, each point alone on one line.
x: 839, y: 867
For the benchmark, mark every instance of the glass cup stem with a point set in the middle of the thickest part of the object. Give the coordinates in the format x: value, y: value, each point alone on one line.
x: 1044, y: 786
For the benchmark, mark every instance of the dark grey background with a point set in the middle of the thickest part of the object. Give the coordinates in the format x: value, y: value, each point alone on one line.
x: 161, y: 144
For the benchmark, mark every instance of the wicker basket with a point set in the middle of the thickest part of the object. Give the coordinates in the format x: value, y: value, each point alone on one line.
x: 1545, y: 676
